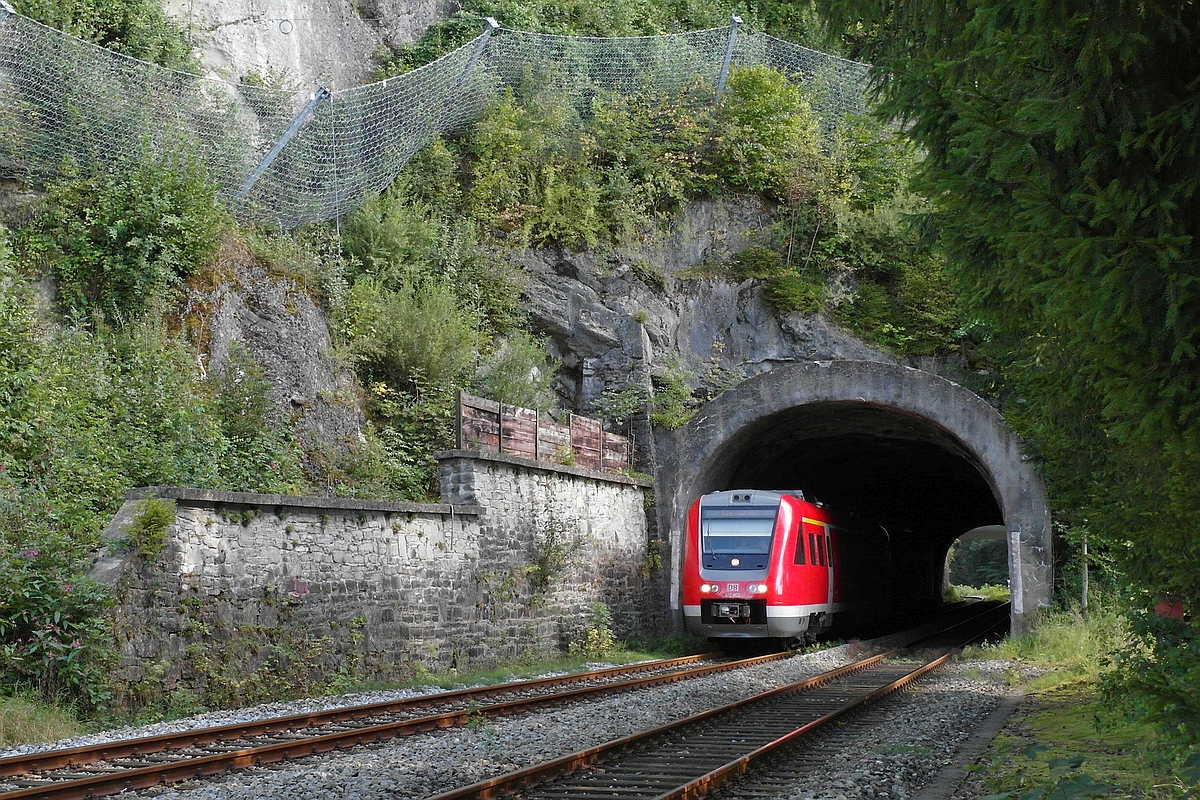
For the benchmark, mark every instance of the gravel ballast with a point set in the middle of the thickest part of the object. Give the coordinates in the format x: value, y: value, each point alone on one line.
x: 923, y: 727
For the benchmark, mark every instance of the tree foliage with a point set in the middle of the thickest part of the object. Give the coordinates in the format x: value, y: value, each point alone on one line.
x: 117, y: 240
x: 137, y: 28
x: 793, y: 21
x: 1062, y: 156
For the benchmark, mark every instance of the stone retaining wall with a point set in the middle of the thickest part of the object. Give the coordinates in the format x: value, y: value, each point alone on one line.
x: 253, y: 591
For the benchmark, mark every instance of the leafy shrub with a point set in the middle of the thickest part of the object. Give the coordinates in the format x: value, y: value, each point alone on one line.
x: 874, y: 162
x: 766, y: 135
x: 411, y: 337
x: 796, y: 291
x: 256, y: 453
x: 117, y: 241
x: 543, y: 171
x: 137, y: 28
x: 54, y: 638
x: 597, y: 640
x: 403, y: 238
x: 756, y: 262
x: 520, y: 372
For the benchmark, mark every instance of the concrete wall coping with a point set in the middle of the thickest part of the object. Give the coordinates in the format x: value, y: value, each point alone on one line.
x: 208, y: 497
x: 544, y: 466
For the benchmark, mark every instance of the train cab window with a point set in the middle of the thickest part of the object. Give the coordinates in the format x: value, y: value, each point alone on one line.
x: 737, y: 538
x: 799, y: 559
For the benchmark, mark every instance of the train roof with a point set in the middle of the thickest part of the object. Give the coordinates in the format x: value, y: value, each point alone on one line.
x: 752, y: 497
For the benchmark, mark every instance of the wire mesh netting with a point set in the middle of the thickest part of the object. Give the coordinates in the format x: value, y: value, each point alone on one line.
x: 63, y: 100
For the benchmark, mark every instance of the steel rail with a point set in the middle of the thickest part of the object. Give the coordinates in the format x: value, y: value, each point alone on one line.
x: 199, y: 766
x: 88, y: 754
x: 491, y: 788
x: 697, y: 786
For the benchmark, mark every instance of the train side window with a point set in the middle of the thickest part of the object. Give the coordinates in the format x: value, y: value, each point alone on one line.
x: 816, y: 543
x: 812, y: 547
x: 829, y: 545
x: 799, y: 558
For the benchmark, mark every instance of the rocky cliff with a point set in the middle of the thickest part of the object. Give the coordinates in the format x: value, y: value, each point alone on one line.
x: 617, y: 319
x: 298, y: 43
x: 614, y: 318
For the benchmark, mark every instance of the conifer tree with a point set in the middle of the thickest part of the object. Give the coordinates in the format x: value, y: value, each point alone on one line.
x: 1062, y: 154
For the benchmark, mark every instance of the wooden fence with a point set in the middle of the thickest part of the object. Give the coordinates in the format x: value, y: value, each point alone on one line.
x: 500, y: 428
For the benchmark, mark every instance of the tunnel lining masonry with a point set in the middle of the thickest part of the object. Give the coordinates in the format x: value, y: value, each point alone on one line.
x: 978, y: 455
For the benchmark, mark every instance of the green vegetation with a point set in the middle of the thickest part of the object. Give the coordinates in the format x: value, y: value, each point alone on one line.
x: 1065, y: 740
x: 1055, y: 248
x: 27, y: 719
x: 1066, y: 743
x: 1060, y: 160
x: 988, y: 591
x: 116, y: 242
x: 1070, y: 646
x: 793, y: 21
x: 597, y: 640
x: 137, y: 28
x: 146, y: 533
x: 978, y: 562
x: 423, y: 297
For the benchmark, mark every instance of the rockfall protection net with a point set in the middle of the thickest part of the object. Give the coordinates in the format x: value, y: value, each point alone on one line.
x: 64, y: 100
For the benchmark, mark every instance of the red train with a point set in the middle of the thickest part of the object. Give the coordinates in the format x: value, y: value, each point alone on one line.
x: 771, y: 564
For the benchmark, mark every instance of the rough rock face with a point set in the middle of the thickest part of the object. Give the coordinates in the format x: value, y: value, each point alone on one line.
x: 298, y: 43
x: 616, y: 319
x: 286, y: 334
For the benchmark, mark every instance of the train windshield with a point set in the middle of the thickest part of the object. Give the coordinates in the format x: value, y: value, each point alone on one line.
x: 742, y: 531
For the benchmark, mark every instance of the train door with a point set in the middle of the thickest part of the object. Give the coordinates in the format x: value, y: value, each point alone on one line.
x: 837, y: 575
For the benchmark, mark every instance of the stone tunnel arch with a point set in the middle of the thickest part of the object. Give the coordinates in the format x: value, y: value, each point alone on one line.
x: 926, y: 458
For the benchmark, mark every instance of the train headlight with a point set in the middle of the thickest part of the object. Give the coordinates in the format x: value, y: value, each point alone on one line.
x: 757, y: 588
x: 710, y: 588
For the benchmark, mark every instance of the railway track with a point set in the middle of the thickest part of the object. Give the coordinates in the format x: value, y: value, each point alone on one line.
x: 111, y: 767
x: 690, y: 757
x: 142, y: 763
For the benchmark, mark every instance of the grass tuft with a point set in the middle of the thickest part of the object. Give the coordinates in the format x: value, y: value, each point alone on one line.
x: 1072, y: 646
x: 24, y: 720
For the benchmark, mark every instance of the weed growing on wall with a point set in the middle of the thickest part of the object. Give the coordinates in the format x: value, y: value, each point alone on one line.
x: 597, y: 639
x: 673, y: 403
x: 556, y: 550
x: 146, y: 533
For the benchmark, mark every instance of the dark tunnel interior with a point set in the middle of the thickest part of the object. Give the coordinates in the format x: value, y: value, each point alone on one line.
x: 884, y: 467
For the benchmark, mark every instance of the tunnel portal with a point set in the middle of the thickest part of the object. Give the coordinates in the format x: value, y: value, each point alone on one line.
x: 924, y: 458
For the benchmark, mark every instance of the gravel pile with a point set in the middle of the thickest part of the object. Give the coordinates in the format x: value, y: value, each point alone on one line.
x: 929, y: 721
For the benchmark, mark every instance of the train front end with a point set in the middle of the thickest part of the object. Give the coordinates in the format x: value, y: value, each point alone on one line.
x: 735, y: 581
